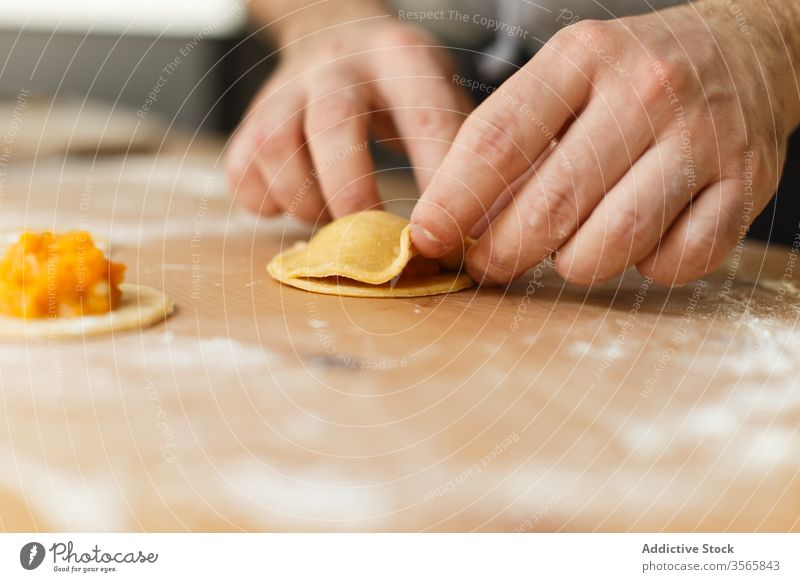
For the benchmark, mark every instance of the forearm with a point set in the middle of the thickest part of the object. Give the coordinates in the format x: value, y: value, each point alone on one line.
x: 290, y: 20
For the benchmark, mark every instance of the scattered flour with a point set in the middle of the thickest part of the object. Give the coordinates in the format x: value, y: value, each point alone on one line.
x: 305, y: 495
x: 82, y: 502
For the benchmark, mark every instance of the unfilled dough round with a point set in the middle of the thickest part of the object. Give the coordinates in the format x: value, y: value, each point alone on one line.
x: 364, y: 255
x: 139, y: 307
x: 432, y: 285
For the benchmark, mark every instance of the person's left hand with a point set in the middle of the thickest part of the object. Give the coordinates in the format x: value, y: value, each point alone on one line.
x: 302, y: 149
x: 651, y: 141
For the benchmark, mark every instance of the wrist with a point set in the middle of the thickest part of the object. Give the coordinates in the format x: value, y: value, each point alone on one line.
x: 307, y: 21
x: 766, y: 31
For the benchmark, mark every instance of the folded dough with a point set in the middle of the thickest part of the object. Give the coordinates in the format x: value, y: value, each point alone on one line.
x: 367, y: 254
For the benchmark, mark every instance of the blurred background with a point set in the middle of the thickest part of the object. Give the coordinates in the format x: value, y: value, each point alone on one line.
x: 112, y: 76
x: 115, y: 53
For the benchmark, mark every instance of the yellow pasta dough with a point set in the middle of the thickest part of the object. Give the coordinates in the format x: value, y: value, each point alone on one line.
x: 139, y: 307
x: 367, y: 254
x: 63, y: 285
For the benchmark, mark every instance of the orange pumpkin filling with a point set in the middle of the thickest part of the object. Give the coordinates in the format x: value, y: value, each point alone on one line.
x: 49, y: 275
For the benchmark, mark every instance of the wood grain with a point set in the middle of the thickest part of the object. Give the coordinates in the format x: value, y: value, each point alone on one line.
x: 260, y: 407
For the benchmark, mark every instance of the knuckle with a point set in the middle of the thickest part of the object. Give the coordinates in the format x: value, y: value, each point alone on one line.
x: 586, y: 262
x: 597, y: 30
x: 331, y: 51
x: 276, y: 136
x: 559, y: 208
x: 650, y: 90
x: 706, y: 244
x: 591, y: 36
x: 497, y: 264
x: 331, y: 111
x: 631, y: 226
x: 502, y: 264
x: 427, y: 119
x: 712, y: 238
x: 403, y: 37
x: 662, y: 81
x: 493, y: 140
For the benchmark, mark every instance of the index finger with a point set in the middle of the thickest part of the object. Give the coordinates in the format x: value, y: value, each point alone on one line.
x: 427, y: 109
x: 337, y: 131
x: 496, y: 144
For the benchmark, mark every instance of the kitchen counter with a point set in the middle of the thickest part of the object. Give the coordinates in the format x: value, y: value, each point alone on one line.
x: 542, y: 407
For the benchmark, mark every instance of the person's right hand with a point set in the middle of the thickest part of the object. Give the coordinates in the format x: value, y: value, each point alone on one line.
x: 645, y: 141
x: 302, y: 149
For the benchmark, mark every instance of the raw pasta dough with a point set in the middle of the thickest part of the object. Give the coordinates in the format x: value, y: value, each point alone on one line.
x: 367, y: 254
x: 139, y: 307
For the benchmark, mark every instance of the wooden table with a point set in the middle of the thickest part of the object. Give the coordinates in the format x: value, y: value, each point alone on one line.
x: 261, y: 407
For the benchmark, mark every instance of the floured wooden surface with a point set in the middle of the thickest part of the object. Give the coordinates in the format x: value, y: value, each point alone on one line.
x: 262, y: 407
x: 37, y: 127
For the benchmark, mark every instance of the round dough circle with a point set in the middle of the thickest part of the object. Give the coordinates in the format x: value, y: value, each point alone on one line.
x: 139, y: 307
x: 433, y: 285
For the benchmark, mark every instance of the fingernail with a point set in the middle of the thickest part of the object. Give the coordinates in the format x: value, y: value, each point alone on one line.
x: 427, y: 234
x: 429, y: 245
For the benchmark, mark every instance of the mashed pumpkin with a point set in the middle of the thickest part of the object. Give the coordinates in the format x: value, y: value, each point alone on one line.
x: 51, y: 275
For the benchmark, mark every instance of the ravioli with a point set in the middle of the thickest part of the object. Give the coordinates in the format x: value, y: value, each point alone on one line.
x: 367, y: 254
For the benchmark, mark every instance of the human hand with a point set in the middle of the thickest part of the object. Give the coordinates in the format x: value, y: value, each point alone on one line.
x: 303, y: 147
x: 651, y: 141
